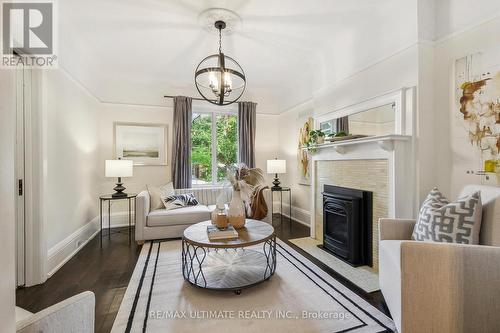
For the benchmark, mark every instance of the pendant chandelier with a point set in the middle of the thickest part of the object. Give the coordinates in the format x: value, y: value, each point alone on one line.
x: 220, y: 79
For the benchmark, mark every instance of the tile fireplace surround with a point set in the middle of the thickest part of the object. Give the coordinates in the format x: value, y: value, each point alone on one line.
x: 381, y: 165
x: 353, y: 174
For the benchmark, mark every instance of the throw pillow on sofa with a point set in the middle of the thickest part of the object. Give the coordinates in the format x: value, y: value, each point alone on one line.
x: 156, y: 193
x: 440, y: 220
x: 179, y: 201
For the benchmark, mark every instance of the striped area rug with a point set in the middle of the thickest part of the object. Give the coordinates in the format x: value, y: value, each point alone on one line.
x: 300, y: 297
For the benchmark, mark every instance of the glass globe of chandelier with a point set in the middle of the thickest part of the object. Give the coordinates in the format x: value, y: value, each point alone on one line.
x: 220, y: 79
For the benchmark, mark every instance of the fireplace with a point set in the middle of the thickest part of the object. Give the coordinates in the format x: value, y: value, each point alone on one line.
x: 347, y: 224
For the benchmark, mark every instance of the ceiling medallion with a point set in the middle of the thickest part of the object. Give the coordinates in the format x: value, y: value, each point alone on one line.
x: 220, y: 79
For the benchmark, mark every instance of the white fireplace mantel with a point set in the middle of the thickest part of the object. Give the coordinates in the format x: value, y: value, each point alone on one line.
x: 386, y: 142
x: 397, y: 149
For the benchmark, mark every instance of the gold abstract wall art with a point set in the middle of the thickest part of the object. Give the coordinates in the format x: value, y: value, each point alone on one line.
x: 477, y: 80
x: 304, y: 156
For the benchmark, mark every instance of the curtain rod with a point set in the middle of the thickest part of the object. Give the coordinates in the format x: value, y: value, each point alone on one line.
x: 193, y: 98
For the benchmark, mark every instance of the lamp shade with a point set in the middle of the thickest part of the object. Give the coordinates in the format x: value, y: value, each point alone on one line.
x: 119, y: 168
x: 276, y: 166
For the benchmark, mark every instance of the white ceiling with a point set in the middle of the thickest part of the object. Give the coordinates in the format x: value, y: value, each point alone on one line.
x: 135, y: 51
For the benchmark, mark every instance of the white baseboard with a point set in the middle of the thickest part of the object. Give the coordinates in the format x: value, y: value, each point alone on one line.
x: 299, y: 215
x: 63, y: 251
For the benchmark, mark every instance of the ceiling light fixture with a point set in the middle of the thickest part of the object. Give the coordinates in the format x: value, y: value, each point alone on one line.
x: 220, y: 79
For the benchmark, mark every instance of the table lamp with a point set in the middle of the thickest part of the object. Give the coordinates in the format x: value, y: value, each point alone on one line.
x: 276, y: 166
x: 119, y: 168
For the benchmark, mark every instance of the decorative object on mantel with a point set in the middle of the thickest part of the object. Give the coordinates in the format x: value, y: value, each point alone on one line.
x: 277, y: 167
x: 219, y: 79
x: 117, y: 169
x: 144, y: 144
x: 342, y: 136
x: 478, y: 100
x: 244, y: 180
x: 386, y: 142
x: 317, y: 137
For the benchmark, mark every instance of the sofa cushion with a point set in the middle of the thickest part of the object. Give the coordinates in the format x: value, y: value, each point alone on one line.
x: 209, y: 196
x: 185, y: 215
x: 390, y: 277
x: 156, y: 193
x: 440, y: 220
x: 176, y: 201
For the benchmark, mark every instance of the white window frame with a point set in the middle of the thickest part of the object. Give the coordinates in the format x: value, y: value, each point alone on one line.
x: 214, y: 115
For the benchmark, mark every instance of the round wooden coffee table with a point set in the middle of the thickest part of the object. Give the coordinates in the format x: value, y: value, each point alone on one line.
x: 229, y: 264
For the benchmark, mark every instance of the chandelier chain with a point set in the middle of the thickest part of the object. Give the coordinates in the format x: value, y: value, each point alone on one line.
x: 220, y: 40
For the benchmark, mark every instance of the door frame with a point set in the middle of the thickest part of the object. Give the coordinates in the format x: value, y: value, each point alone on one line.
x: 34, y: 184
x: 20, y: 178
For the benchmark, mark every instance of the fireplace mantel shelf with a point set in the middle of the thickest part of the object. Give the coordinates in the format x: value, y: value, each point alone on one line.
x: 385, y: 142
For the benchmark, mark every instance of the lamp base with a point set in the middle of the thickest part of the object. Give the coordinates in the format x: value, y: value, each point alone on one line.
x: 119, y: 188
x: 276, y: 183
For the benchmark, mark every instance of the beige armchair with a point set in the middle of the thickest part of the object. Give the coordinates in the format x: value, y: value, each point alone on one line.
x: 75, y: 314
x: 443, y: 287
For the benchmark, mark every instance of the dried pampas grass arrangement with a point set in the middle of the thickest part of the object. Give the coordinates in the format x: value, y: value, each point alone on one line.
x: 245, y: 179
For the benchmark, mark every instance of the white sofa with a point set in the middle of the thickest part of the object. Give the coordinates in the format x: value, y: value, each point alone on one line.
x: 443, y: 287
x: 162, y: 223
x: 75, y: 314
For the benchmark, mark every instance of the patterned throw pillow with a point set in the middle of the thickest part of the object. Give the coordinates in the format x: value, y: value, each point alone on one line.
x: 156, y: 193
x: 440, y: 220
x: 179, y: 201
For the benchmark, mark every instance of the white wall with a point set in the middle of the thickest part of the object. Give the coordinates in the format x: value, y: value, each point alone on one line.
x: 442, y: 148
x: 266, y: 143
x: 395, y: 72
x: 71, y: 157
x: 143, y: 175
x: 7, y: 204
x: 458, y: 15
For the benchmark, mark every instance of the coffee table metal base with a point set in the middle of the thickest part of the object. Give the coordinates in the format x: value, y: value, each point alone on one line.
x: 228, y: 269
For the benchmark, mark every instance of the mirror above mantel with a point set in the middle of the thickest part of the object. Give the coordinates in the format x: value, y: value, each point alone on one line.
x: 386, y: 115
x: 376, y: 121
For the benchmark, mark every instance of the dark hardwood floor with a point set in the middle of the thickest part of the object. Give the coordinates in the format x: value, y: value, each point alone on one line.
x: 106, y: 271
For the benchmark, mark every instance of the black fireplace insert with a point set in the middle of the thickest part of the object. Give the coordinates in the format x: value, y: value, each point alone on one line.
x: 347, y: 224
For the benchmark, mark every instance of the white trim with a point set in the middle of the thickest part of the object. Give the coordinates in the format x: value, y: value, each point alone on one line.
x: 63, y: 251
x: 396, y: 97
x: 397, y: 149
x: 467, y: 28
x: 299, y: 215
x: 386, y: 142
x: 327, y: 87
x: 35, y: 178
x: 80, y: 84
x: 66, y: 249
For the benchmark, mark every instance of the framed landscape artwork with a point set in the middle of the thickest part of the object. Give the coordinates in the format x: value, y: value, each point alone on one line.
x: 145, y: 144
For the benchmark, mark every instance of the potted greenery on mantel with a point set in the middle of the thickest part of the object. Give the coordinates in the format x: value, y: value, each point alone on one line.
x: 317, y: 137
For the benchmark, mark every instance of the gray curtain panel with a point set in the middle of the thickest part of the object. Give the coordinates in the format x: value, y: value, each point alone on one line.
x: 343, y: 124
x: 181, y: 145
x: 247, y: 113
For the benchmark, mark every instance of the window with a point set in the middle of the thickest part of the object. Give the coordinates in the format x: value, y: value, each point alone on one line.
x: 214, y: 139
